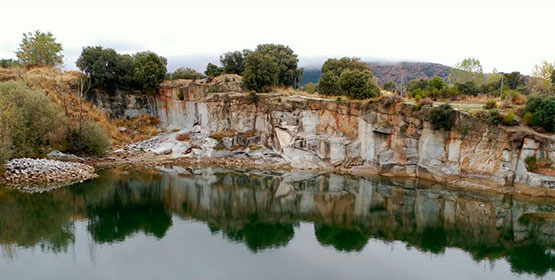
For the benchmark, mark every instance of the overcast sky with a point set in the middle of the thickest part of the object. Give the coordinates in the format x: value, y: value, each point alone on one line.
x: 508, y: 35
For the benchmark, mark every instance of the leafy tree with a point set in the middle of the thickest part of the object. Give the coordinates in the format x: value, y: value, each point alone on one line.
x: 417, y: 84
x: 467, y: 70
x: 261, y: 71
x: 390, y: 86
x: 233, y: 62
x: 492, y: 84
x: 543, y: 75
x: 333, y: 69
x: 358, y: 84
x: 213, y: 70
x: 437, y: 83
x: 8, y: 63
x: 39, y: 49
x: 336, y: 66
x: 186, y: 73
x: 285, y: 59
x: 106, y: 68
x: 149, y: 70
x: 514, y: 80
x: 468, y: 88
x: 328, y: 84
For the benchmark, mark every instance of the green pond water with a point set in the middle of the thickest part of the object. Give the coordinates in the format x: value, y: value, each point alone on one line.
x: 245, y: 224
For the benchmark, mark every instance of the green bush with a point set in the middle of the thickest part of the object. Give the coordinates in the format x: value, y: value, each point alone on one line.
x: 527, y: 118
x: 542, y: 108
x: 442, y: 117
x: 180, y: 94
x: 390, y: 86
x: 310, y: 88
x: 491, y: 104
x: 494, y: 117
x: 358, y: 84
x: 531, y: 163
x: 29, y: 120
x: 509, y: 118
x: 328, y: 84
x: 91, y: 140
x: 253, y: 97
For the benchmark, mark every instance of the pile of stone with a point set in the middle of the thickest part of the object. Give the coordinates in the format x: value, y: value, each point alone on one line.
x: 137, y: 147
x: 27, y: 172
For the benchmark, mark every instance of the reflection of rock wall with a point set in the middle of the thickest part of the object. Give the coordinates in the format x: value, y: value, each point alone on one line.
x: 262, y: 209
x: 375, y: 206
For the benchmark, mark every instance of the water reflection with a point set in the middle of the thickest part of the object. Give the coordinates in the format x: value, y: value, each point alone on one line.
x: 263, y: 210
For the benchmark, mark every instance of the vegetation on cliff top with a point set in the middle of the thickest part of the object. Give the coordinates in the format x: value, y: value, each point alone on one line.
x: 110, y: 71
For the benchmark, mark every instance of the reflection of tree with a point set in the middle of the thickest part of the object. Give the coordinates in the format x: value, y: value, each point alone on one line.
x: 116, y: 221
x: 260, y: 236
x: 433, y: 240
x: 531, y: 259
x: 28, y: 220
x: 342, y: 239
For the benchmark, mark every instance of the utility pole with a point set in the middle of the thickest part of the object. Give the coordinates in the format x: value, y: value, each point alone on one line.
x: 501, y: 90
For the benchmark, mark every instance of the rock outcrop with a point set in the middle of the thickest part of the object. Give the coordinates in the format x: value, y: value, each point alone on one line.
x: 386, y: 137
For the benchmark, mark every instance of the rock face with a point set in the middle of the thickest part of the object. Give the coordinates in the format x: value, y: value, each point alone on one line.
x: 27, y: 173
x: 388, y: 137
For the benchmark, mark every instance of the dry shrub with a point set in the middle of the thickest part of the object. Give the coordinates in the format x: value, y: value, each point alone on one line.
x: 223, y: 134
x: 426, y: 101
x: 140, y: 128
x: 61, y: 87
x: 183, y: 137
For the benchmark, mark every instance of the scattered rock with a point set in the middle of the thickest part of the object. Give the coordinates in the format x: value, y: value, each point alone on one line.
x: 28, y: 173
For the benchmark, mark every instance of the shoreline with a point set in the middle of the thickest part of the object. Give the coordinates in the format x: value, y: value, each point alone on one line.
x: 231, y: 163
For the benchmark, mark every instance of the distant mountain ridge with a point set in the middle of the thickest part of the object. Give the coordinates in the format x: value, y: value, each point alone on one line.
x: 394, y: 71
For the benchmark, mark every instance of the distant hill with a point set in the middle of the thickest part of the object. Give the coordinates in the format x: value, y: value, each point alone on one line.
x: 385, y: 71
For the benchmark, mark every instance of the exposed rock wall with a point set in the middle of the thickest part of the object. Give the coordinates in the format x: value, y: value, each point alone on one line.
x: 386, y: 137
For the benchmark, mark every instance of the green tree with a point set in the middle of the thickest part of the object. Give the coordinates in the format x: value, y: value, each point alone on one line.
x: 542, y: 73
x: 39, y: 49
x: 328, y: 84
x: 286, y: 61
x: 390, y: 86
x: 467, y: 70
x: 149, y: 70
x: 107, y: 69
x: 234, y: 62
x: 186, y: 73
x: 332, y: 70
x: 436, y: 83
x: 358, y: 84
x: 514, y: 80
x: 8, y: 63
x: 261, y: 71
x: 336, y: 66
x: 213, y: 70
